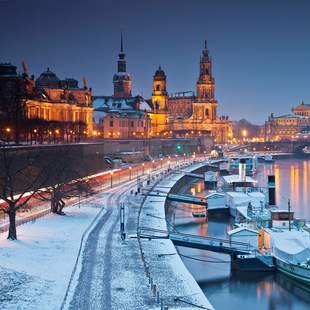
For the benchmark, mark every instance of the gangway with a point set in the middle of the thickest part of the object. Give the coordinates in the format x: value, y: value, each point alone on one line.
x: 194, y: 175
x: 202, y: 201
x: 198, y: 242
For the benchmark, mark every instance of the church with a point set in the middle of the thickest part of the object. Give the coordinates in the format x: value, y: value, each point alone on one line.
x: 181, y: 115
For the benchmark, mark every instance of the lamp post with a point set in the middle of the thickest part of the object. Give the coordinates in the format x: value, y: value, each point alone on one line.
x: 244, y: 133
x: 111, y: 175
x: 142, y: 168
x: 130, y: 172
x: 8, y: 131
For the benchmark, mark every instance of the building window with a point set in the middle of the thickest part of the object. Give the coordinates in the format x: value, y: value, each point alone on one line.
x: 131, y: 124
x: 158, y: 87
x: 207, y: 112
x: 111, y: 123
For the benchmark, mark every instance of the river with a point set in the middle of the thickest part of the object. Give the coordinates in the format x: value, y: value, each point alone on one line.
x: 254, y: 291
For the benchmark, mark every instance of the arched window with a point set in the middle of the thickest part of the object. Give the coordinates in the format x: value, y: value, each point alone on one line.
x: 207, y: 112
x: 158, y: 87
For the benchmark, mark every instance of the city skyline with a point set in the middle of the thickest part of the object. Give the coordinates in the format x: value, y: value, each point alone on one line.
x: 251, y: 46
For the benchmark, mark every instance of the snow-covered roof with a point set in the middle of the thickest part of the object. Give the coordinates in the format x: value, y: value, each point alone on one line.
x: 215, y: 195
x: 239, y: 229
x: 256, y: 194
x: 289, y: 116
x: 292, y: 246
x: 234, y: 178
x: 120, y: 104
x: 237, y: 194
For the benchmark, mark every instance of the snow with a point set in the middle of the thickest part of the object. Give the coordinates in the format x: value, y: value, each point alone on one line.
x: 234, y: 178
x: 38, y: 266
x: 292, y: 246
x: 166, y: 267
x: 241, y: 229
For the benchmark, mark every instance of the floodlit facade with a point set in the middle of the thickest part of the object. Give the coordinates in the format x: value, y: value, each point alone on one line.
x: 183, y: 114
x: 288, y: 126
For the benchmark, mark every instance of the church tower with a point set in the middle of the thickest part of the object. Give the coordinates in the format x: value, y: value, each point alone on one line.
x: 205, y: 83
x: 159, y: 95
x: 122, y: 80
x: 205, y: 105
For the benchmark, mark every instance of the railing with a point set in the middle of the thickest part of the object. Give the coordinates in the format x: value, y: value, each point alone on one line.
x: 154, y: 233
x: 212, y: 240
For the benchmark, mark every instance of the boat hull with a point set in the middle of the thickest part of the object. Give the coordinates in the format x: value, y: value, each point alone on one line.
x: 294, y: 271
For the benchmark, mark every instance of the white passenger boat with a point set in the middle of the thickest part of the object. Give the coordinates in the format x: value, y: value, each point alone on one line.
x: 292, y: 254
x: 299, y: 271
x: 250, y: 161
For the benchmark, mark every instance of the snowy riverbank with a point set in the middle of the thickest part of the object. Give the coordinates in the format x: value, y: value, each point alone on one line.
x: 35, y: 270
x: 176, y: 285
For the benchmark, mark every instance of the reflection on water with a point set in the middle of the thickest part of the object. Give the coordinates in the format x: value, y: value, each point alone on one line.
x: 255, y: 291
x: 292, y: 182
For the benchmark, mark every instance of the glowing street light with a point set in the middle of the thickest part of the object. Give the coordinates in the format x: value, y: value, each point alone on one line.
x: 8, y: 129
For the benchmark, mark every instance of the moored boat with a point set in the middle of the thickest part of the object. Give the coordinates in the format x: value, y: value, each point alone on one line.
x: 298, y: 271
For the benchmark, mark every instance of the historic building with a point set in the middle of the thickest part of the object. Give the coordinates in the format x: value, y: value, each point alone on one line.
x: 50, y: 99
x: 288, y: 126
x: 187, y: 114
x: 181, y: 115
x: 121, y: 116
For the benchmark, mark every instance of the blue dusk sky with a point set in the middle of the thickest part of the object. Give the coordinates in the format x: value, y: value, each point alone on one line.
x: 260, y: 49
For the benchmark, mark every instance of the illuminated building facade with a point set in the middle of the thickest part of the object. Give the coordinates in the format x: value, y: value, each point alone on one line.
x: 185, y: 114
x: 121, y: 116
x: 181, y: 115
x: 50, y: 99
x: 288, y: 126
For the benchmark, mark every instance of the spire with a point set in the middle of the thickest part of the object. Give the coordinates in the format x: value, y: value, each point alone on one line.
x: 206, y: 44
x: 122, y: 49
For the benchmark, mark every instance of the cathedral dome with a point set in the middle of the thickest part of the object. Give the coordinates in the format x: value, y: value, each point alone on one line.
x: 48, y: 79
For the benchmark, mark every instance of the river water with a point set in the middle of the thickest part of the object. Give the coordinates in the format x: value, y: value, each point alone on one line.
x: 227, y: 289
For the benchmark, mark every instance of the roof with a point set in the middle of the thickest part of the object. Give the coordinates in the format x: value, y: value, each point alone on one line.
x: 235, y: 178
x: 289, y: 116
x: 215, y: 195
x: 302, y: 106
x: 117, y: 104
x: 239, y: 229
x: 48, y: 79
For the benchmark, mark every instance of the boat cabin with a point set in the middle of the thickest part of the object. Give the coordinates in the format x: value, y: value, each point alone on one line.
x: 281, y: 218
x: 245, y: 235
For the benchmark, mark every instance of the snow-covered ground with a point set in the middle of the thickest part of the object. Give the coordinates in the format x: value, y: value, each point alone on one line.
x: 177, y: 287
x: 35, y: 270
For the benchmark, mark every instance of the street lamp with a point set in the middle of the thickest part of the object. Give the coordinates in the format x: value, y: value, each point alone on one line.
x: 244, y: 134
x: 111, y: 175
x: 142, y: 168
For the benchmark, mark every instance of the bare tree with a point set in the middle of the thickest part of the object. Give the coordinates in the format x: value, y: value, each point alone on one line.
x: 57, y: 194
x: 20, y: 177
x: 67, y: 179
